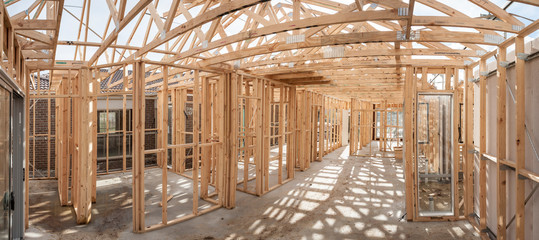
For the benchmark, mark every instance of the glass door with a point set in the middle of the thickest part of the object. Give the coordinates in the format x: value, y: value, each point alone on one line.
x: 5, y: 159
x: 434, y: 159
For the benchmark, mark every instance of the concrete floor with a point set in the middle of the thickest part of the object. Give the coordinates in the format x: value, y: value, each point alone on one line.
x: 341, y: 197
x: 273, y: 171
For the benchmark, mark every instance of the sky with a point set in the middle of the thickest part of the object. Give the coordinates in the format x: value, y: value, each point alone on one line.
x: 99, y: 14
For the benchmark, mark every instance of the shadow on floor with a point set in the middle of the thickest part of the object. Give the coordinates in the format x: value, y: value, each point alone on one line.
x: 342, y: 197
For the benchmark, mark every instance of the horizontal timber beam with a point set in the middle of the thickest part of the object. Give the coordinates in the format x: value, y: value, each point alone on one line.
x: 350, y: 38
x: 368, y: 53
x: 357, y: 64
x: 206, y: 17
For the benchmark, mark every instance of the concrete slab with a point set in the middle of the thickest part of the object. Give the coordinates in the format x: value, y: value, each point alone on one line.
x: 341, y: 197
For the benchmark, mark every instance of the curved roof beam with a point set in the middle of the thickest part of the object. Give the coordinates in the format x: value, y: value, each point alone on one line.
x: 366, y: 53
x: 196, y: 22
x: 351, y: 38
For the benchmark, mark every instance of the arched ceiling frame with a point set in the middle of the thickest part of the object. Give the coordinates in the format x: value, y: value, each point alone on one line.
x: 201, y: 33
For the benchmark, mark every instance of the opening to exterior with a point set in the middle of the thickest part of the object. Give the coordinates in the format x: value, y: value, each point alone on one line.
x: 434, y: 163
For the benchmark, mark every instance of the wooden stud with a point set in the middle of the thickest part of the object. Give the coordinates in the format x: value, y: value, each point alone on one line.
x: 164, y: 144
x: 196, y: 147
x: 290, y: 162
x: 221, y: 135
x: 83, y: 202
x: 27, y: 136
x: 267, y: 134
x: 409, y: 141
x: 482, y: 146
x: 468, y: 143
x: 501, y: 145
x: 205, y: 134
x: 520, y: 136
x: 259, y: 88
x: 139, y: 107
x: 455, y: 144
x: 281, y: 137
x: 182, y: 121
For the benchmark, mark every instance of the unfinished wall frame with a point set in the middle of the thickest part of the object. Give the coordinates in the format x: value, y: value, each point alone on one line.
x: 310, y: 128
x: 214, y: 124
x: 265, y: 133
x: 381, y: 122
x: 413, y: 134
x: 507, y: 164
x: 75, y: 99
x: 206, y: 145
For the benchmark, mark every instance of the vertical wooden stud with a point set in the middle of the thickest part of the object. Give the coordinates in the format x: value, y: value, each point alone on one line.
x: 501, y: 145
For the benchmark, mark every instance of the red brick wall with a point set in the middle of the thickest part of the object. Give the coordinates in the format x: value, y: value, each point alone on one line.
x: 41, y: 127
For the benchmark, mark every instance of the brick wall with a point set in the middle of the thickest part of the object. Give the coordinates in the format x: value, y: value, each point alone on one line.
x: 150, y: 137
x: 41, y: 127
x: 40, y: 107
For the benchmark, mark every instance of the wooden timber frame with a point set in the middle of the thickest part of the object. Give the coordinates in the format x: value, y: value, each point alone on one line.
x: 382, y: 54
x: 265, y: 133
x: 208, y: 134
x: 365, y: 125
x: 415, y: 85
x: 14, y: 65
x: 312, y: 128
x: 73, y: 163
x: 319, y: 126
x: 76, y: 136
x: 76, y: 105
x: 332, y: 129
x: 309, y: 128
x: 262, y: 105
x: 361, y: 125
x: 505, y: 167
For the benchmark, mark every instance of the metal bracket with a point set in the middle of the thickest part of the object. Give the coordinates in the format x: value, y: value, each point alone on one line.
x: 402, y: 11
x: 517, y: 27
x: 523, y: 56
x: 401, y: 36
x: 295, y: 38
x: 334, y: 52
x: 483, y: 73
x: 117, y: 24
x: 415, y: 35
x: 163, y: 35
x: 505, y: 167
x: 473, y: 80
x: 494, y: 39
x: 237, y: 64
x: 504, y: 64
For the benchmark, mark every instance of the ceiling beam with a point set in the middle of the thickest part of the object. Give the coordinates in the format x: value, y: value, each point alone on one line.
x: 350, y: 38
x: 196, y: 22
x: 114, y: 34
x: 497, y: 11
x: 366, y: 53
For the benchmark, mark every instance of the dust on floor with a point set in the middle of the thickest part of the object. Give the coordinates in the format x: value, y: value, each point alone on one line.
x: 342, y: 197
